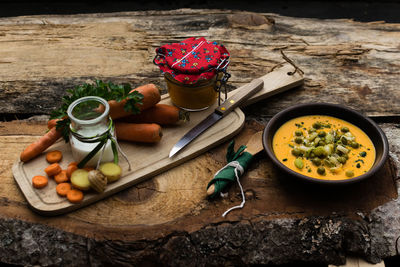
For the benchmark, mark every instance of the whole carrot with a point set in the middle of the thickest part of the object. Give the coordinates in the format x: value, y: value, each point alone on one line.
x: 160, y: 113
x: 138, y: 132
x: 40, y: 145
x: 151, y: 96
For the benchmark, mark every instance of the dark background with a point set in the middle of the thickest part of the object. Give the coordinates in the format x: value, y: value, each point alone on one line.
x: 367, y: 10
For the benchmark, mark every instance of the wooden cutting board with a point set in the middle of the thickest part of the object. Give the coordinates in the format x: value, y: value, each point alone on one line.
x: 147, y: 160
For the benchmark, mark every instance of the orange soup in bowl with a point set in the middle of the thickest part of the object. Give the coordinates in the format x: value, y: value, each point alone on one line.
x: 324, y: 147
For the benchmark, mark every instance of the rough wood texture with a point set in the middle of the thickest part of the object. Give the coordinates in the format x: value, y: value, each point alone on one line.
x: 167, y: 219
x: 42, y: 56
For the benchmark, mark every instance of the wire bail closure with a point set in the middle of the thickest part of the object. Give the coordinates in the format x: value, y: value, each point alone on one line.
x: 291, y: 62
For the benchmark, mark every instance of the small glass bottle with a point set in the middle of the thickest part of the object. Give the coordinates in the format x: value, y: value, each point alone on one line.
x: 89, y: 119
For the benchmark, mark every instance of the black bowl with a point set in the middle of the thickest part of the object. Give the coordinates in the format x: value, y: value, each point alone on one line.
x: 367, y: 125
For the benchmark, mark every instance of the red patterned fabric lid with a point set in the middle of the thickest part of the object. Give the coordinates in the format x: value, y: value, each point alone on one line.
x: 192, y: 60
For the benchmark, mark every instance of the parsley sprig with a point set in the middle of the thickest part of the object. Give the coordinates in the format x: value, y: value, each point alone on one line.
x: 108, y: 91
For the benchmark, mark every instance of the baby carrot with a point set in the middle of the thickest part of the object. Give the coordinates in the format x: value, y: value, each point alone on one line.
x: 34, y: 149
x: 39, y: 181
x: 138, y: 132
x: 75, y: 196
x: 70, y: 169
x: 52, y: 169
x: 62, y: 189
x: 160, y: 113
x: 54, y: 156
x: 61, y: 177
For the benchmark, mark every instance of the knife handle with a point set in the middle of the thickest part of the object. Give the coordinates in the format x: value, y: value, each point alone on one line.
x: 240, y: 97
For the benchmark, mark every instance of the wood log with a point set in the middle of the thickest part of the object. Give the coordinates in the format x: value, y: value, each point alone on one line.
x: 167, y: 220
x: 345, y: 61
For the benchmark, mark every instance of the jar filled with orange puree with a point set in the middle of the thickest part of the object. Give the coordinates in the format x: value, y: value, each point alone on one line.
x: 194, y: 71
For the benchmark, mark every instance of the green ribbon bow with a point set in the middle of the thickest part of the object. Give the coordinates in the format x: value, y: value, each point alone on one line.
x: 102, y: 140
x: 227, y: 174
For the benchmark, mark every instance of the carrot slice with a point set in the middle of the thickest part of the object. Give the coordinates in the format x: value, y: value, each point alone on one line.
x: 88, y: 168
x: 71, y: 168
x: 39, y: 181
x: 75, y: 196
x: 63, y: 189
x: 73, y: 163
x: 53, y: 169
x: 61, y: 177
x: 54, y: 156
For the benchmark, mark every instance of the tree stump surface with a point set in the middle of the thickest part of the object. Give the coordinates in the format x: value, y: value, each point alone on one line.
x: 168, y: 219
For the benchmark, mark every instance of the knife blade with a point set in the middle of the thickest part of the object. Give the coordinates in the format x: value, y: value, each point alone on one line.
x: 221, y: 111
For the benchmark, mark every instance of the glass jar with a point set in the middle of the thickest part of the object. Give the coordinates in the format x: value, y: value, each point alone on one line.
x: 89, y: 120
x: 192, y: 97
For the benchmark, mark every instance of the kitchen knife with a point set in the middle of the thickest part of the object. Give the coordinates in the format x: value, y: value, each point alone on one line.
x: 230, y: 104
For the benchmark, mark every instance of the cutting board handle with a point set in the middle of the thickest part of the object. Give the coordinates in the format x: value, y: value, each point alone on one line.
x: 236, y: 100
x: 275, y: 82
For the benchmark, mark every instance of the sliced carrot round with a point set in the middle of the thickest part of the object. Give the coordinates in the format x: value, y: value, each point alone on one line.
x: 53, y: 169
x: 61, y: 177
x: 75, y: 196
x: 63, y: 189
x: 88, y: 168
x: 39, y: 181
x: 54, y: 156
x: 73, y: 163
x: 71, y: 169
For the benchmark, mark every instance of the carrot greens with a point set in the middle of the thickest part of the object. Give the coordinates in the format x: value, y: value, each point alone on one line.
x: 107, y: 91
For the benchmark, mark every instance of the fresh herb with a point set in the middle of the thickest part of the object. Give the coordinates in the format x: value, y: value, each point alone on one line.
x: 108, y: 91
